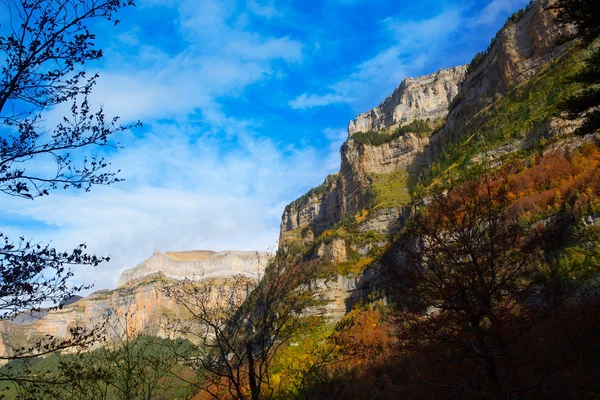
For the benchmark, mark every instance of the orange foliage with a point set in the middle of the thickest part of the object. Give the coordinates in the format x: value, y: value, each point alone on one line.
x: 365, y: 333
x: 555, y: 180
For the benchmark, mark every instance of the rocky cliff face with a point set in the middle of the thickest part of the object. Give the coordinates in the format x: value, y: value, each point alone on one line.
x: 360, y: 161
x: 139, y: 293
x: 519, y: 51
x: 313, y: 213
x: 146, y: 303
x: 198, y: 265
x: 425, y: 97
x: 345, y: 193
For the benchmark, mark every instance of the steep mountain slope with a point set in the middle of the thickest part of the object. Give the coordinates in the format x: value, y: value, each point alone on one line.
x: 429, y: 127
x: 519, y: 51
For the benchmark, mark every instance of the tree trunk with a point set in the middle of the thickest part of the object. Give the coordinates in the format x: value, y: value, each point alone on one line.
x: 251, y: 373
x: 490, y: 366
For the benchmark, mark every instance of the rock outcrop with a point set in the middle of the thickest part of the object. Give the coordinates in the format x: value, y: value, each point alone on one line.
x: 347, y: 192
x: 313, y: 213
x: 360, y: 160
x: 198, y: 265
x: 519, y: 51
x: 425, y: 97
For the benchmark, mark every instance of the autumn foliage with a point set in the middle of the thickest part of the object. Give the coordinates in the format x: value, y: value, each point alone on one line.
x: 491, y: 301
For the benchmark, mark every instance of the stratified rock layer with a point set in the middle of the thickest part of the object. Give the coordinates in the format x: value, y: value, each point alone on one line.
x: 139, y: 294
x: 198, y: 265
x: 425, y: 97
x: 520, y: 51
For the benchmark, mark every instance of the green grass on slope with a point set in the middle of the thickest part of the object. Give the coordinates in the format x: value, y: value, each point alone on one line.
x: 519, y: 114
x: 389, y: 190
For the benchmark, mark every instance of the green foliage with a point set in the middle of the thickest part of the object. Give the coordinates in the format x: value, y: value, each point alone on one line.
x: 140, y: 369
x: 479, y: 58
x: 419, y: 127
x: 389, y: 190
x: 301, y: 356
x: 579, y: 103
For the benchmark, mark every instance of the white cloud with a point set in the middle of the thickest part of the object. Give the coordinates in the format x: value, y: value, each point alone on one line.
x: 264, y: 9
x: 424, y: 32
x: 179, y: 194
x: 217, y: 57
x: 306, y: 100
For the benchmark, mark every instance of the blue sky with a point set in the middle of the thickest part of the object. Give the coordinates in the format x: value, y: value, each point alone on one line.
x: 245, y: 106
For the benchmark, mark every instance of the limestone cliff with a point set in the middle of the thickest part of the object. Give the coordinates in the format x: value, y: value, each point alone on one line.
x: 313, y: 213
x: 139, y: 292
x: 198, y: 265
x: 347, y: 192
x: 360, y: 161
x: 146, y: 303
x: 518, y: 52
x: 425, y: 97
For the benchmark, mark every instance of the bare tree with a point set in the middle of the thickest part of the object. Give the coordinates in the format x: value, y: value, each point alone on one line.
x: 44, y: 45
x: 239, y: 323
x: 478, y: 277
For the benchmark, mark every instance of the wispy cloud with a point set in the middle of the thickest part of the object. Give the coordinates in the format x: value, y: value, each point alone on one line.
x: 306, y: 100
x: 494, y: 10
x: 412, y: 41
x: 218, y: 56
x: 266, y: 9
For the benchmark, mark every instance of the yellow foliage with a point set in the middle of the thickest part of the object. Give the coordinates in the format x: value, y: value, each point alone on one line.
x: 361, y: 216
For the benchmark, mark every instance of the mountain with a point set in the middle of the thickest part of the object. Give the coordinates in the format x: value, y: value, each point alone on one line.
x: 431, y: 129
x: 139, y: 291
x: 422, y: 132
